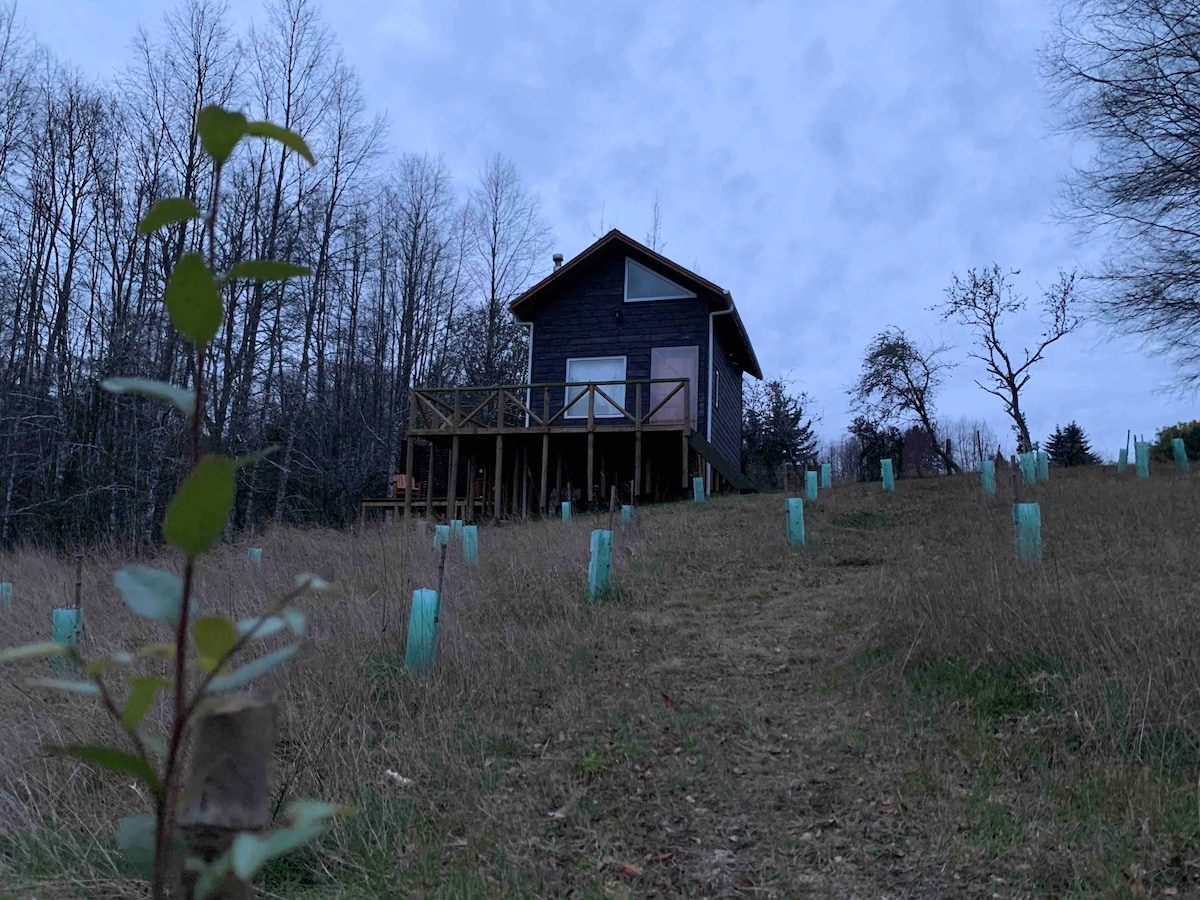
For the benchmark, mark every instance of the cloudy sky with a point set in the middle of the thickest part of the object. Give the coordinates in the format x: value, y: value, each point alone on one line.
x: 829, y: 163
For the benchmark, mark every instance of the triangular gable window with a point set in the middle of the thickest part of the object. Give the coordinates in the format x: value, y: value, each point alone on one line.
x: 642, y: 284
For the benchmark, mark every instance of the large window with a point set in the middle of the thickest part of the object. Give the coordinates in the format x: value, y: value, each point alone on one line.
x: 595, y: 370
x: 642, y: 284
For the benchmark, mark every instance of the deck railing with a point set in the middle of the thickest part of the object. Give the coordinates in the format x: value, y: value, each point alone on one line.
x: 522, y: 407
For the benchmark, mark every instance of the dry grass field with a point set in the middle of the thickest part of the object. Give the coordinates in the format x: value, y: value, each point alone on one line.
x: 895, y: 711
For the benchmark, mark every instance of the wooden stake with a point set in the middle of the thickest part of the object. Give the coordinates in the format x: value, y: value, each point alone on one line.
x: 227, y: 790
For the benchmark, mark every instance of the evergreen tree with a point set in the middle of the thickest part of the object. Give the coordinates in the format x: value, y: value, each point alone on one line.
x: 1069, y: 446
x: 775, y: 431
x: 877, y: 442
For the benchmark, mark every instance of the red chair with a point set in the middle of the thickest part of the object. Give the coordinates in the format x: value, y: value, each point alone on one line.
x: 400, y: 487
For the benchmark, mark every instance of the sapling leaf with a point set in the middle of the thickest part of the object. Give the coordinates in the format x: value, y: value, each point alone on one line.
x: 289, y: 619
x: 251, y: 458
x: 62, y: 684
x: 309, y: 582
x: 102, y: 665
x: 198, y: 512
x: 113, y: 759
x: 285, y: 136
x: 167, y: 211
x: 267, y: 270
x: 136, y: 836
x: 247, y: 673
x: 155, y: 745
x: 219, y: 131
x: 193, y: 300
x: 151, y: 593
x: 34, y: 651
x: 181, y: 398
x: 157, y: 651
x: 307, y: 819
x: 141, y: 699
x: 214, y: 636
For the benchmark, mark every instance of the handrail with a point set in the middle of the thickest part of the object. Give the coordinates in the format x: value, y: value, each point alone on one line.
x: 432, y: 410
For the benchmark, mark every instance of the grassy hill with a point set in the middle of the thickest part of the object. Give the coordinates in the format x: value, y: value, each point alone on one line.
x: 896, y: 710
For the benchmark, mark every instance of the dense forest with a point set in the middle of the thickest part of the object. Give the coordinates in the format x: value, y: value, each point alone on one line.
x: 413, y: 267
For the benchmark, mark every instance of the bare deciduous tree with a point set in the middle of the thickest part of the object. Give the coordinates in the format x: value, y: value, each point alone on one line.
x: 510, y: 242
x: 981, y: 302
x: 900, y: 378
x: 1124, y: 75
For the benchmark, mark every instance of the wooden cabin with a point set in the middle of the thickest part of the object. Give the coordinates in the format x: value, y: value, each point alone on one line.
x: 634, y: 381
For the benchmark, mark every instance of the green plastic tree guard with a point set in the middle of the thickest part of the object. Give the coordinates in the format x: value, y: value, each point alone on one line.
x: 254, y: 554
x: 600, y: 567
x: 566, y: 511
x: 889, y: 477
x: 698, y: 489
x: 627, y: 514
x: 456, y: 528
x: 1122, y: 459
x: 441, y: 536
x: 795, y: 521
x: 422, y: 528
x: 421, y: 650
x: 5, y: 593
x: 826, y: 476
x: 1181, y: 460
x: 988, y: 471
x: 810, y: 485
x: 1043, y: 465
x: 67, y: 626
x: 1142, y: 450
x: 1029, y: 532
x: 470, y: 544
x: 1028, y: 468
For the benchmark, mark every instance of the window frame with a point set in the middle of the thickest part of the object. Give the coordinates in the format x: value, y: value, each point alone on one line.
x: 569, y: 401
x: 684, y: 294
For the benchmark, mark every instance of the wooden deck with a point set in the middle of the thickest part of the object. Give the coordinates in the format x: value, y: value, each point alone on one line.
x: 525, y: 411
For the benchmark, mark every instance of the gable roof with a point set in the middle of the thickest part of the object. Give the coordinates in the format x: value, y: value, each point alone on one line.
x: 719, y: 299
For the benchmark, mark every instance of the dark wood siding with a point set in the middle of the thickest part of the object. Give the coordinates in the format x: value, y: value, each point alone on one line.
x: 727, y: 418
x: 581, y: 321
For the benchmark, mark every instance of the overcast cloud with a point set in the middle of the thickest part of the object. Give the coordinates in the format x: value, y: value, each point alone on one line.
x: 830, y: 164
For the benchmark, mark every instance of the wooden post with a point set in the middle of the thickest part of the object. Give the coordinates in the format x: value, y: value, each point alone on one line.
x: 558, y: 478
x: 524, y: 480
x: 410, y: 445
x: 499, y: 478
x: 636, y: 487
x: 227, y: 790
x: 471, y: 470
x: 687, y: 423
x: 612, y: 506
x: 452, y: 480
x: 545, y: 451
x: 1016, y: 480
x: 591, y: 450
